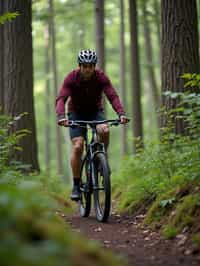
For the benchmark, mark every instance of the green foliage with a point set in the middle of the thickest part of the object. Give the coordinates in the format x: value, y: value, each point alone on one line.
x: 32, y: 232
x: 167, y: 202
x: 169, y: 232
x: 192, y: 80
x: 196, y: 239
x: 187, y: 211
x: 8, y: 17
x: 165, y: 177
x: 9, y: 143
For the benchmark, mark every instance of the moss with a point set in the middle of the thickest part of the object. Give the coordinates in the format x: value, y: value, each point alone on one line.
x: 32, y: 234
x: 92, y: 254
x: 158, y: 210
x: 169, y: 232
x: 187, y: 211
x: 196, y: 239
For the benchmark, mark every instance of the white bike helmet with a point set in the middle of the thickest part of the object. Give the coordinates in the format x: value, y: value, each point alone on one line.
x: 87, y: 57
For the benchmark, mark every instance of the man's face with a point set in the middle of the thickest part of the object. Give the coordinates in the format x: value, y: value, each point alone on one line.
x: 87, y: 70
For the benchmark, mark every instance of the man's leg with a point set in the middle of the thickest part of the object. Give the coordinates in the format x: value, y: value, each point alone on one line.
x: 103, y: 132
x: 77, y: 150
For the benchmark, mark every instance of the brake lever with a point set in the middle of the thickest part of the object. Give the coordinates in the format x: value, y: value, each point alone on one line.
x: 115, y: 123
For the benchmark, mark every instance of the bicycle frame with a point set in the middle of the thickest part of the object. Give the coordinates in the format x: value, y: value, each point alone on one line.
x: 92, y: 148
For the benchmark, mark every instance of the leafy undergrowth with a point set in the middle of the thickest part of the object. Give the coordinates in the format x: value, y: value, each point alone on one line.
x: 31, y: 230
x: 32, y: 233
x: 163, y: 180
x: 166, y: 189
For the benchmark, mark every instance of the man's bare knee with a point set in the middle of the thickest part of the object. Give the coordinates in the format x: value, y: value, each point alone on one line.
x: 78, y: 145
x: 103, y: 130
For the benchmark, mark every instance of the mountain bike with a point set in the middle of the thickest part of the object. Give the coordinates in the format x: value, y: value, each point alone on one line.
x: 95, y: 172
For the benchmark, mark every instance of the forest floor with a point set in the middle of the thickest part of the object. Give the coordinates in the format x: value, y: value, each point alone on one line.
x: 125, y: 235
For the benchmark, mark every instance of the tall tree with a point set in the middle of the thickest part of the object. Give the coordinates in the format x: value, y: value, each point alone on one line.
x: 47, y: 98
x: 55, y: 80
x: 100, y: 36
x: 149, y: 57
x: 18, y: 77
x: 124, y: 146
x: 156, y: 6
x: 180, y: 52
x: 1, y: 60
x: 100, y: 41
x: 135, y: 73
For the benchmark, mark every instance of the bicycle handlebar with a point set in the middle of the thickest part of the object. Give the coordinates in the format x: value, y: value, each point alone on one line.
x: 112, y: 122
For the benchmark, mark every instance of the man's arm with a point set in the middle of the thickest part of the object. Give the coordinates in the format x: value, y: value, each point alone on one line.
x: 112, y: 95
x: 63, y: 94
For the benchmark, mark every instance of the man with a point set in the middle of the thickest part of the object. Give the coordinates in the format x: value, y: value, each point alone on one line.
x: 82, y: 89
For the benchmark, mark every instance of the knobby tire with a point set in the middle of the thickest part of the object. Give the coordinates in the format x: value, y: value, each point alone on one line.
x: 103, y: 186
x: 85, y: 201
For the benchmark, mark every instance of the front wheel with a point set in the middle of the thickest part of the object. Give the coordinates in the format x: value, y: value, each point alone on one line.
x: 102, y: 187
x: 85, y: 200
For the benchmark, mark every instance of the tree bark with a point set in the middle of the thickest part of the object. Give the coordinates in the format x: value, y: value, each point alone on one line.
x: 157, y: 18
x: 47, y: 99
x: 18, y: 77
x: 135, y: 74
x: 180, y: 52
x: 100, y: 37
x: 55, y: 80
x: 124, y: 146
x: 1, y: 61
x: 149, y: 57
x: 100, y: 41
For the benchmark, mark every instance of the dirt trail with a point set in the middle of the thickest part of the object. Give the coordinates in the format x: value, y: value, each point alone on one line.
x: 140, y: 246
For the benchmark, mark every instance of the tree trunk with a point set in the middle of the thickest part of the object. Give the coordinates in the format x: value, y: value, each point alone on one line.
x: 157, y: 18
x: 47, y: 99
x: 18, y: 77
x: 100, y: 37
x: 100, y: 42
x: 1, y: 61
x: 81, y: 25
x: 55, y: 79
x: 179, y: 49
x: 135, y: 74
x: 149, y: 57
x: 124, y: 146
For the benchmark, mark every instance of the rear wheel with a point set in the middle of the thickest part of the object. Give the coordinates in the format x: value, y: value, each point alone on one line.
x: 102, y: 188
x: 85, y: 200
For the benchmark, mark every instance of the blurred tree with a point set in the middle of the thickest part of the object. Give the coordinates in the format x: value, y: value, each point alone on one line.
x: 100, y: 37
x: 149, y: 57
x: 100, y: 40
x: 156, y: 6
x: 1, y: 61
x: 135, y: 75
x: 180, y: 52
x: 55, y: 80
x: 47, y: 98
x: 18, y: 77
x: 122, y: 68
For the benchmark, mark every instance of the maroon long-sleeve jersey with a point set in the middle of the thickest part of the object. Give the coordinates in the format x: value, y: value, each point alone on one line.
x: 85, y: 96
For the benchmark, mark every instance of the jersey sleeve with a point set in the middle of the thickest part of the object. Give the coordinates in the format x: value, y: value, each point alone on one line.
x: 63, y: 95
x: 112, y: 95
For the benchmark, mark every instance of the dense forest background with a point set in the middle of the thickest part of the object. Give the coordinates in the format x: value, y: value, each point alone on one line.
x: 133, y: 42
x: 74, y: 23
x: 150, y: 51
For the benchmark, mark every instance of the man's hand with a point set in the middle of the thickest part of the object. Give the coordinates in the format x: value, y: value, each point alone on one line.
x: 63, y: 122
x: 124, y: 119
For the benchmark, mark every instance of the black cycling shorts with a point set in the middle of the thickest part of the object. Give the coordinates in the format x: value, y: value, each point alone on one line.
x: 79, y: 131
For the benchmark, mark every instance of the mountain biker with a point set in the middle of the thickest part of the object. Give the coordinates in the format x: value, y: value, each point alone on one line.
x: 82, y: 90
